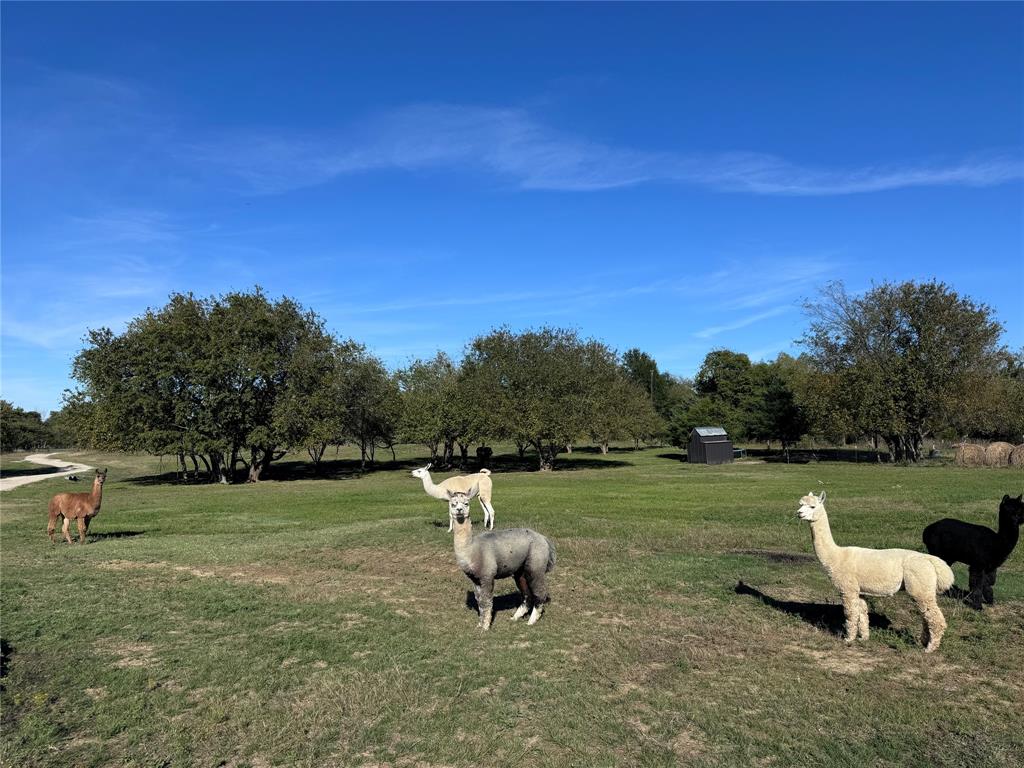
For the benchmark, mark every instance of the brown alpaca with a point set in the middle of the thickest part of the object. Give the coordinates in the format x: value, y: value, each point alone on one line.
x: 80, y: 507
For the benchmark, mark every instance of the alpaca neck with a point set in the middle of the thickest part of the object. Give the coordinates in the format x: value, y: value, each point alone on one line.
x: 97, y: 494
x: 821, y: 534
x: 463, y: 534
x: 1009, y: 532
x: 431, y: 489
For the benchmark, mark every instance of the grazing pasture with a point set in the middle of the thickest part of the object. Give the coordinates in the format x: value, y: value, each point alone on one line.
x: 324, y: 622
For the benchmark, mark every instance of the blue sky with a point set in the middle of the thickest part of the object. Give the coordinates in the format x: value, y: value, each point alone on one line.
x: 673, y: 177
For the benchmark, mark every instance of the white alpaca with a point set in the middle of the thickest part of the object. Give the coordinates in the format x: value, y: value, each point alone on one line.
x: 878, y: 573
x: 460, y: 484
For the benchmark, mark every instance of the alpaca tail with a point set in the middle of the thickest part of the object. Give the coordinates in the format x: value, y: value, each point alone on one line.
x: 944, y: 574
x: 483, y: 472
x: 551, y: 555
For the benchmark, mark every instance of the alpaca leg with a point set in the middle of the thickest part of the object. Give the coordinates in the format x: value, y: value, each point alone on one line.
x: 485, y: 599
x: 934, y: 624
x: 976, y: 581
x: 81, y: 530
x: 988, y: 581
x: 524, y: 590
x: 539, y: 590
x: 863, y: 630
x: 51, y: 527
x: 851, y: 609
x: 488, y: 513
x: 64, y: 530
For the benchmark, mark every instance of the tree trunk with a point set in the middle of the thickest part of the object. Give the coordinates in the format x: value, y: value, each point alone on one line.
x: 464, y: 454
x: 568, y: 448
x: 255, y: 466
x: 316, y: 453
x: 522, y: 448
x: 546, y: 456
x: 604, y: 447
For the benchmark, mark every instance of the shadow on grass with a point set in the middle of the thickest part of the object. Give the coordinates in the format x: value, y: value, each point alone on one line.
x: 507, y: 602
x: 30, y: 471
x: 113, y: 535
x: 343, y: 469
x: 961, y: 594
x: 807, y: 455
x: 6, y: 651
x: 775, y: 557
x: 673, y: 456
x: 825, y: 615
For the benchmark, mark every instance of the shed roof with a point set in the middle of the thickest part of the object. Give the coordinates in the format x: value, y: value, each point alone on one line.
x: 710, y: 431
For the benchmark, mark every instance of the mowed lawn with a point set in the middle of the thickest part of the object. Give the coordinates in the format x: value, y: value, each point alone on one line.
x: 323, y: 622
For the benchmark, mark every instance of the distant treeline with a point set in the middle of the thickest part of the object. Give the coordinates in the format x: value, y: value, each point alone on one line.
x: 232, y: 382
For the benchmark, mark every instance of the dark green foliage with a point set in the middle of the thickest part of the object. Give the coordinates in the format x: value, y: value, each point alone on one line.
x: 229, y: 380
x: 20, y: 429
x: 903, y: 360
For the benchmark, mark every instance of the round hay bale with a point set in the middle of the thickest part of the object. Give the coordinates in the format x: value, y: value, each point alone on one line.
x: 998, y: 454
x: 970, y: 455
x: 1017, y: 457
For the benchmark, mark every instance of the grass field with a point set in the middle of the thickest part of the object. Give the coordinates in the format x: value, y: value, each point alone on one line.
x: 324, y: 623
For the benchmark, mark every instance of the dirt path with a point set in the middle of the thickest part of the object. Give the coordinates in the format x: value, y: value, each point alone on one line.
x: 66, y: 467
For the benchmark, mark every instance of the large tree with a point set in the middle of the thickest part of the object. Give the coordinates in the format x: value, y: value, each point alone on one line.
x: 903, y: 357
x: 201, y: 378
x: 542, y: 386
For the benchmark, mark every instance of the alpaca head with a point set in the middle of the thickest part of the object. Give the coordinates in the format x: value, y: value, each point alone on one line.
x: 812, y: 507
x: 101, y: 476
x: 1012, y: 508
x: 458, y: 504
x: 422, y: 471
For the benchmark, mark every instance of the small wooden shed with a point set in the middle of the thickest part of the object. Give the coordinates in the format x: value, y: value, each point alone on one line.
x: 710, y: 445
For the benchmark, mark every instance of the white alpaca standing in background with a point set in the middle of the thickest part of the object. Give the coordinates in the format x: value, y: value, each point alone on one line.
x: 461, y: 484
x: 878, y: 573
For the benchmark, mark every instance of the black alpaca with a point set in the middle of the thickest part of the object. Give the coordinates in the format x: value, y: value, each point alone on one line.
x: 981, y: 548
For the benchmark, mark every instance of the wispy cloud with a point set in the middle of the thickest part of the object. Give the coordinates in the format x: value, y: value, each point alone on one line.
x: 743, y: 322
x: 512, y: 144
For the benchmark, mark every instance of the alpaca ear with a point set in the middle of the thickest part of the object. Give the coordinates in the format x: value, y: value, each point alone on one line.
x: 474, y: 490
x: 1006, y: 497
x: 822, y: 497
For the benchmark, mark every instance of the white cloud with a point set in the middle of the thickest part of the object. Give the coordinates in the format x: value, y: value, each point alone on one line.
x: 513, y: 145
x: 742, y: 322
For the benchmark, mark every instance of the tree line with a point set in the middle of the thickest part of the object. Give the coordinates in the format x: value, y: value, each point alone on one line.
x: 228, y: 384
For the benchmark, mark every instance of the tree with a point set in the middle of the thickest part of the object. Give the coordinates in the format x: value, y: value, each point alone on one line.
x: 425, y: 387
x: 542, y: 386
x: 775, y: 413
x: 904, y: 356
x: 201, y: 378
x: 374, y: 407
x: 21, y: 429
x: 312, y: 412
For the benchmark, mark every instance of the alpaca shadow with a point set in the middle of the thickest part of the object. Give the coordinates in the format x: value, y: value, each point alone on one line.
x: 507, y: 602
x: 113, y: 535
x: 6, y: 651
x: 825, y: 615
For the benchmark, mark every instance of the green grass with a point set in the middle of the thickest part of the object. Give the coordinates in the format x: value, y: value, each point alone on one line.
x: 323, y: 622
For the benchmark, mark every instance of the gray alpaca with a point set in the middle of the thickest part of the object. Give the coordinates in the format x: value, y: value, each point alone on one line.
x: 518, y: 552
